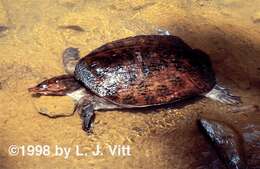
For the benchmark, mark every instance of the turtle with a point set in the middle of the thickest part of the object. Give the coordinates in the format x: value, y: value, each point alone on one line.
x: 134, y: 72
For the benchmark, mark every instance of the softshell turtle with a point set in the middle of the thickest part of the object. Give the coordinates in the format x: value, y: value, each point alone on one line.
x: 134, y: 72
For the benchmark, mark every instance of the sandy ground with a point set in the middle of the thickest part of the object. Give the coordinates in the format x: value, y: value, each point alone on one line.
x: 33, y: 35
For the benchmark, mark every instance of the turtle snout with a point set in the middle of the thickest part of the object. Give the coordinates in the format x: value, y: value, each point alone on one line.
x: 32, y: 89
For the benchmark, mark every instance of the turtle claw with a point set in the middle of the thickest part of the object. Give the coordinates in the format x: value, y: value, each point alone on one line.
x: 232, y: 100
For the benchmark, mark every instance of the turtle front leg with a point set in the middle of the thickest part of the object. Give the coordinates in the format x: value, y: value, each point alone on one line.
x: 86, y: 111
x: 163, y: 32
x: 70, y: 58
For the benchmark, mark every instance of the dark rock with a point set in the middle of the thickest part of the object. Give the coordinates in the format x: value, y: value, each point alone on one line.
x: 226, y: 141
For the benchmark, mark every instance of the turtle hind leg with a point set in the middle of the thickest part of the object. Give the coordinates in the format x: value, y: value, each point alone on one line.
x: 70, y: 59
x: 223, y: 95
x: 86, y: 111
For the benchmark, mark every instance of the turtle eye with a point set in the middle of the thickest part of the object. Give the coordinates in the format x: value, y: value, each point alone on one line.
x: 44, y: 86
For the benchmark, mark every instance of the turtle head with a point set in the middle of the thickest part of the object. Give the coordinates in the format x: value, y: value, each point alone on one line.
x: 56, y: 86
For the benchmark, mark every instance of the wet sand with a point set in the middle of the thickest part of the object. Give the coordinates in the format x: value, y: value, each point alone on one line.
x: 33, y: 35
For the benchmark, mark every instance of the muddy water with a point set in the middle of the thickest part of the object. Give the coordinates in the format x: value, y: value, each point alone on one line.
x: 33, y: 35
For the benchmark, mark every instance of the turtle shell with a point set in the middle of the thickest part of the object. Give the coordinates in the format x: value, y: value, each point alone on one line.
x: 146, y: 70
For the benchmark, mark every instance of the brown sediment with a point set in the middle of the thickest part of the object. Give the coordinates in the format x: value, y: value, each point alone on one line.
x: 244, y: 109
x: 141, y: 7
x: 3, y: 28
x: 169, y: 137
x: 73, y: 27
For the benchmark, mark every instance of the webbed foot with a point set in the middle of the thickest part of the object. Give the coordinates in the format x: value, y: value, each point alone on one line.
x: 223, y: 95
x: 86, y: 111
x: 88, y: 117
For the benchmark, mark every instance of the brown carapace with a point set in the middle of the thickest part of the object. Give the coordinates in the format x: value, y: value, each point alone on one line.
x: 146, y: 70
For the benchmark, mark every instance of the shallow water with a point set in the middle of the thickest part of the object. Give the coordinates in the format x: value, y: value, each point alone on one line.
x: 33, y: 35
